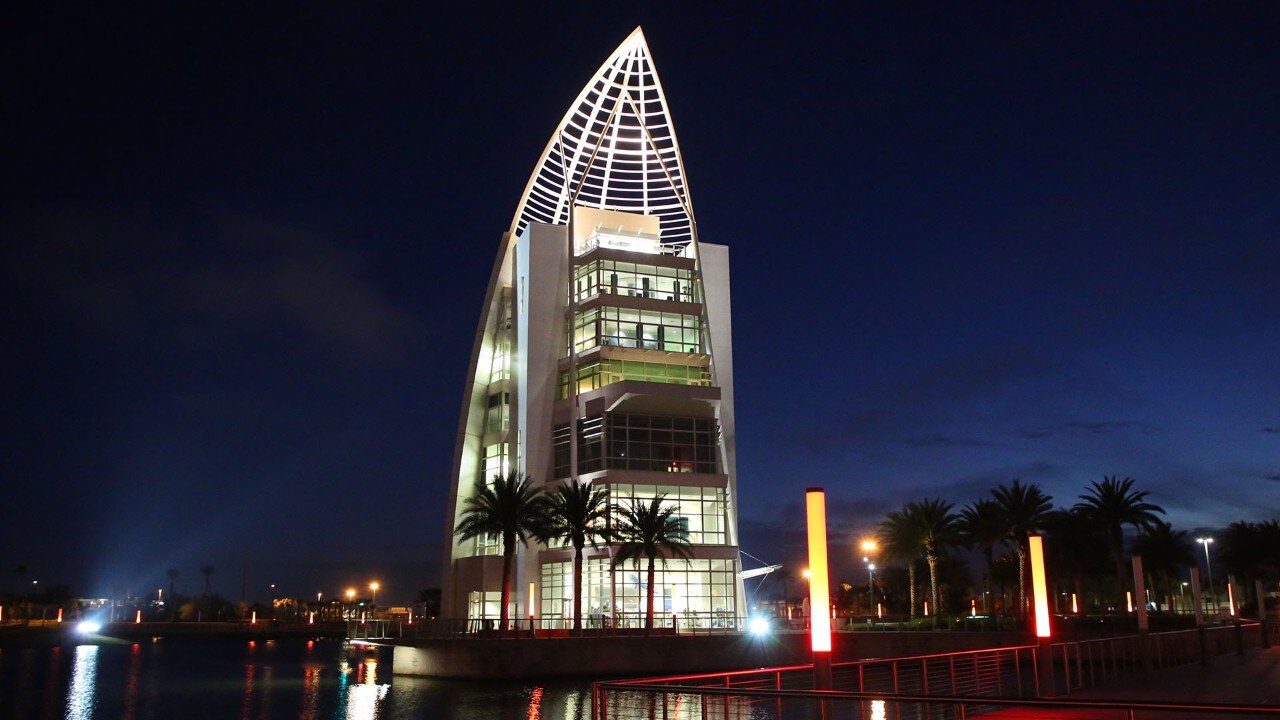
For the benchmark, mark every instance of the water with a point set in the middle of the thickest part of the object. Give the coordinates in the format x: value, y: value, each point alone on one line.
x: 263, y: 680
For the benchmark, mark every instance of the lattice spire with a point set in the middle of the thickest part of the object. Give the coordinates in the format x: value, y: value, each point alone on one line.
x: 615, y: 149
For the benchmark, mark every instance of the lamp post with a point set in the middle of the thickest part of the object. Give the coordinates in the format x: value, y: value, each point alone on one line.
x: 868, y: 548
x: 871, y: 588
x: 351, y: 597
x: 373, y: 601
x: 1206, y: 542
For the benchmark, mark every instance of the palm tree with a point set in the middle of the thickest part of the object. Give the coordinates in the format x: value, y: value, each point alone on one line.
x: 576, y: 513
x: 899, y: 541
x: 1251, y: 551
x: 1074, y: 549
x: 933, y: 527
x: 1112, y: 504
x: 173, y: 575
x: 983, y: 525
x: 1164, y: 552
x: 1025, y: 509
x: 938, y: 530
x: 208, y: 572
x: 645, y: 531
x: 511, y: 508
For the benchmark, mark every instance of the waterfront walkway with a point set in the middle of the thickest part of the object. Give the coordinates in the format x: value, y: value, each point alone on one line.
x: 1249, y: 679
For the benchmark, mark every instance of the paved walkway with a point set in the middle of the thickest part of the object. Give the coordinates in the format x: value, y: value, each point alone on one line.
x: 1249, y: 679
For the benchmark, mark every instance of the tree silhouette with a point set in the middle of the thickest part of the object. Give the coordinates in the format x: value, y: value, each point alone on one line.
x: 899, y: 540
x: 510, y: 508
x: 1025, y: 509
x: 1112, y: 504
x: 933, y: 527
x: 1250, y: 551
x: 577, y: 514
x: 1164, y: 552
x: 1075, y: 549
x: 647, y: 531
x: 983, y: 525
x: 208, y: 572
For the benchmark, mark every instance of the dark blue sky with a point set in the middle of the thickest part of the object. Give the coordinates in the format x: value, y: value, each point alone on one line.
x: 244, y: 253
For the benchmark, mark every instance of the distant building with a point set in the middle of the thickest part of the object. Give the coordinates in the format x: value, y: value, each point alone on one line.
x: 604, y: 353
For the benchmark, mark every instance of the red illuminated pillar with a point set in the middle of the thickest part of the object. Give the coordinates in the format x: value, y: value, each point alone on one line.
x: 819, y: 591
x: 1040, y: 602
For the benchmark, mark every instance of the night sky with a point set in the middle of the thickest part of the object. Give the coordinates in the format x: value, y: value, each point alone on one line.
x: 244, y: 254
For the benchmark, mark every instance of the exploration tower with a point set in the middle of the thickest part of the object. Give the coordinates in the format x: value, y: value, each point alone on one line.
x: 604, y: 353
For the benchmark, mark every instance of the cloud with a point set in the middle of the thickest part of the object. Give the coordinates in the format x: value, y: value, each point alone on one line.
x: 1272, y: 478
x: 204, y: 281
x: 939, y: 440
x: 1076, y: 428
x: 973, y: 383
x: 1273, y: 430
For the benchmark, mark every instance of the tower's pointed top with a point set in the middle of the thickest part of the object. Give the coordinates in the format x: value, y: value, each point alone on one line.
x: 615, y: 148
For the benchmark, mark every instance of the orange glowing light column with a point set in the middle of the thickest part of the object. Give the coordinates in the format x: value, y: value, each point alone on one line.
x: 815, y: 500
x: 1039, y: 588
x: 819, y: 589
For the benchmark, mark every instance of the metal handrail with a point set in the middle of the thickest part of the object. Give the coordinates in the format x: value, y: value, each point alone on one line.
x: 831, y: 695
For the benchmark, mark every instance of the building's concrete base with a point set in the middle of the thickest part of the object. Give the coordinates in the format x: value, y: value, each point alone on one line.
x: 600, y: 657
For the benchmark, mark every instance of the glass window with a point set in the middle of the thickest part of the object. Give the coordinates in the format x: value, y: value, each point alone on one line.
x: 701, y: 510
x: 611, y: 277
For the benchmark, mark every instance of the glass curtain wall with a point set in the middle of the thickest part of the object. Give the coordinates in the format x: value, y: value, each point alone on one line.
x: 699, y: 593
x: 611, y: 277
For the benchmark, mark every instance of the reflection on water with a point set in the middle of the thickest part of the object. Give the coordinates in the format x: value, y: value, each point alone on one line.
x: 80, y: 702
x: 535, y: 704
x: 132, y: 682
x: 302, y: 680
x: 364, y: 698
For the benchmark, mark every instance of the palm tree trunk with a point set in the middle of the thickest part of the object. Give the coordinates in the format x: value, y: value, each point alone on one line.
x: 988, y: 553
x: 1117, y: 549
x: 508, y: 556
x: 648, y: 612
x: 1022, y: 581
x: 933, y: 585
x: 577, y: 589
x: 911, y: 580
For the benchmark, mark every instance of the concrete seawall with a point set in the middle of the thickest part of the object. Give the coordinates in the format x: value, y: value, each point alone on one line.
x: 599, y: 657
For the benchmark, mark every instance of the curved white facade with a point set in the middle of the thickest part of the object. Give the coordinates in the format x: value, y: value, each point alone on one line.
x: 604, y: 353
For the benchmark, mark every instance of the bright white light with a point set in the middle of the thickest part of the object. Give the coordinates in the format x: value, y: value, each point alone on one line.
x: 88, y: 626
x: 759, y: 626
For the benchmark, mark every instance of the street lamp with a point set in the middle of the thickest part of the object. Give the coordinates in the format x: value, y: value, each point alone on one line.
x: 871, y: 588
x: 373, y: 601
x: 868, y: 548
x: 1206, y: 541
